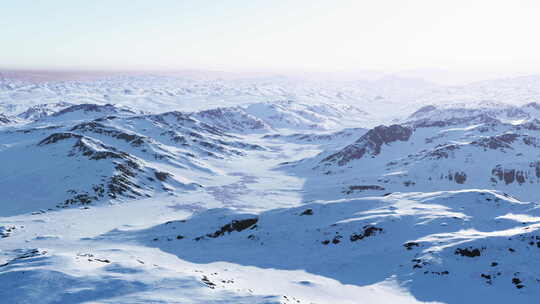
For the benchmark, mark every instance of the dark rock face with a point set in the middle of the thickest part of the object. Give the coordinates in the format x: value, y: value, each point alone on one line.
x: 236, y: 225
x: 442, y: 151
x: 121, y: 182
x: 56, y: 137
x: 367, y: 232
x: 385, y: 135
x: 4, y: 119
x: 353, y: 188
x: 82, y: 145
x: 162, y: 176
x: 468, y: 252
x: 307, y: 212
x: 496, y: 142
x: 98, y: 128
x: 536, y: 166
x: 460, y: 177
x: 511, y: 175
x: 371, y: 143
x: 410, y: 245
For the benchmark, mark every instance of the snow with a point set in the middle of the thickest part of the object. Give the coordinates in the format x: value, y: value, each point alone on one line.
x: 206, y: 189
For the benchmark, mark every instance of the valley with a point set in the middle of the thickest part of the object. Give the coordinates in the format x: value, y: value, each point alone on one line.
x: 194, y: 190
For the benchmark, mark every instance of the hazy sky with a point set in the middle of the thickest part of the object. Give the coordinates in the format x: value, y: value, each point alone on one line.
x: 270, y: 34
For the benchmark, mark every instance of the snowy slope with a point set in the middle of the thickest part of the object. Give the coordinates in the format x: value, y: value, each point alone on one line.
x: 441, y: 247
x: 212, y: 188
x: 72, y: 158
x: 429, y: 155
x: 451, y: 246
x: 283, y: 116
x: 41, y: 110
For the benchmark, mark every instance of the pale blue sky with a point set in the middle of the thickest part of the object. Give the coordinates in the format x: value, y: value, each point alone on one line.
x: 270, y: 34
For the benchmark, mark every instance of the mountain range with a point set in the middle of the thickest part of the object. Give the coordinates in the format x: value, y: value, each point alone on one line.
x: 211, y: 189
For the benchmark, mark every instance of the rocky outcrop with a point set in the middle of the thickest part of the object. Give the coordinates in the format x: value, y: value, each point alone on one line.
x: 56, y: 137
x: 98, y: 128
x: 509, y: 175
x: 360, y: 188
x: 4, y: 120
x: 503, y: 141
x: 370, y: 143
x: 128, y: 178
x: 442, y: 151
x: 536, y: 166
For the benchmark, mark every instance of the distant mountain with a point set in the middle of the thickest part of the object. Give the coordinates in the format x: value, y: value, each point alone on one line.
x: 41, y: 110
x: 501, y: 111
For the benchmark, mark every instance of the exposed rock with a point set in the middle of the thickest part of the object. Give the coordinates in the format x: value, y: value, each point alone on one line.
x: 236, y: 225
x: 4, y: 119
x: 460, y: 177
x: 307, y: 212
x: 368, y: 231
x: 497, y: 142
x: 370, y: 143
x: 56, y: 137
x: 353, y: 188
x: 468, y: 252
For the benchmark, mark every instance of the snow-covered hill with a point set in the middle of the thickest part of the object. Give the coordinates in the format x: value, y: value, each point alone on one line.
x: 72, y: 157
x: 442, y: 246
x: 430, y: 154
x: 41, y: 110
x: 504, y: 112
x: 212, y: 188
x: 199, y: 91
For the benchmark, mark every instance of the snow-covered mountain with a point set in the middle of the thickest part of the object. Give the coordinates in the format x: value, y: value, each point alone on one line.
x: 41, y: 110
x: 477, y: 152
x: 86, y: 111
x: 212, y: 188
x: 86, y: 159
x: 384, y: 98
x: 504, y: 112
